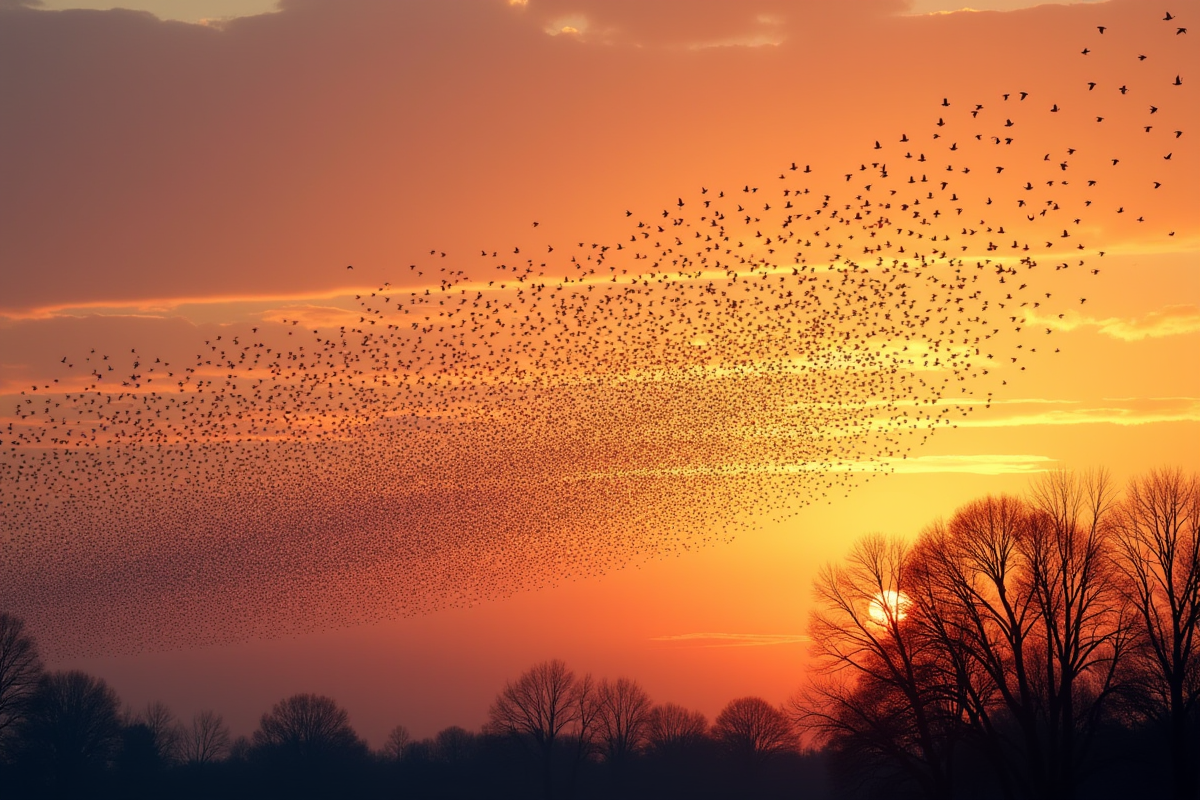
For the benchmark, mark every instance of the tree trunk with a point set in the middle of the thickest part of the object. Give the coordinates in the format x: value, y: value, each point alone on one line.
x: 1183, y: 767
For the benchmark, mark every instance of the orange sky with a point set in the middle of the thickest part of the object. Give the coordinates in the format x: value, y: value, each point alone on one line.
x: 165, y: 183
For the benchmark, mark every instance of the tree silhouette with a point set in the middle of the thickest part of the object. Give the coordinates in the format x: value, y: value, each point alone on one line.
x: 166, y: 733
x: 307, y: 724
x: 395, y: 748
x: 454, y: 746
x: 1022, y: 601
x: 587, y: 701
x: 672, y: 729
x: 1083, y: 621
x: 206, y: 740
x: 305, y: 741
x: 624, y: 718
x: 240, y: 749
x: 71, y: 732
x: 540, y: 707
x: 1157, y: 527
x: 139, y: 763
x: 20, y: 670
x: 1003, y: 630
x: 753, y: 730
x: 974, y: 608
x: 875, y: 691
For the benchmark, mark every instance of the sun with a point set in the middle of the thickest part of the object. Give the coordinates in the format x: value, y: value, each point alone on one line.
x: 887, y: 605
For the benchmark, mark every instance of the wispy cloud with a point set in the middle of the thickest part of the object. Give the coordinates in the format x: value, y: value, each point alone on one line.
x: 312, y: 315
x: 920, y: 7
x: 982, y: 464
x: 1114, y: 411
x: 733, y: 639
x: 1171, y: 320
x: 251, y: 304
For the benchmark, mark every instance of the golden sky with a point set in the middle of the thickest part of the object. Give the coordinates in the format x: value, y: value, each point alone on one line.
x: 166, y: 183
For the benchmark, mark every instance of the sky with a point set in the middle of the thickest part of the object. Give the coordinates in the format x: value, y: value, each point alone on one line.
x: 623, y: 500
x: 200, y: 10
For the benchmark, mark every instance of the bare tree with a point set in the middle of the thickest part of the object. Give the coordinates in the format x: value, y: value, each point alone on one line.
x: 672, y: 728
x: 396, y: 746
x: 587, y: 701
x: 206, y: 740
x: 973, y: 602
x: 624, y: 718
x: 166, y: 734
x: 308, y: 729
x: 754, y: 730
x: 1002, y: 630
x: 1022, y: 600
x: 454, y: 745
x: 20, y: 670
x: 1158, y: 531
x: 539, y: 704
x: 877, y: 689
x: 1083, y: 620
x: 539, y: 708
x: 421, y: 751
x: 240, y: 749
x: 72, y: 729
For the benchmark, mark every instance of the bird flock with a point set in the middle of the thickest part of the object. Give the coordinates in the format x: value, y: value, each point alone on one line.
x: 512, y: 419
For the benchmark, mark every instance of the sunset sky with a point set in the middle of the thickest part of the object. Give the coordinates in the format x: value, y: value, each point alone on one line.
x: 201, y: 168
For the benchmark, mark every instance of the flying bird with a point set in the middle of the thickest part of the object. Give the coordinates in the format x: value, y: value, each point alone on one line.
x: 492, y: 424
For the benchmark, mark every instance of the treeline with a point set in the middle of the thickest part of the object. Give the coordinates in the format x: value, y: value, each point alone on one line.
x: 550, y: 734
x: 1028, y: 647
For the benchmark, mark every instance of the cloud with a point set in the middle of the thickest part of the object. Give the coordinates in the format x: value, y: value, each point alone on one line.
x: 696, y: 24
x: 1173, y: 320
x: 198, y: 11
x: 273, y: 150
x: 979, y: 464
x: 312, y: 316
x: 956, y: 6
x: 198, y: 309
x: 733, y: 639
x: 1113, y: 411
x: 971, y: 464
x: 1170, y: 321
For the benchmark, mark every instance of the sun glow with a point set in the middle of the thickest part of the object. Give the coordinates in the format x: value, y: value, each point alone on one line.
x: 888, y: 605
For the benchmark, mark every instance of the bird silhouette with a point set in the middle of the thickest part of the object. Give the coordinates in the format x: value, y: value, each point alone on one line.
x: 477, y: 427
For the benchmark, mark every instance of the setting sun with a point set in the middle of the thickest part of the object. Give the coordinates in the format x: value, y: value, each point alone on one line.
x: 888, y: 607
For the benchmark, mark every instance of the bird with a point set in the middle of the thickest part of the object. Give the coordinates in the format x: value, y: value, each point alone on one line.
x: 477, y: 427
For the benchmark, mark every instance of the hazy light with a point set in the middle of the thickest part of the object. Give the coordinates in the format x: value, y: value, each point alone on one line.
x: 888, y: 605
